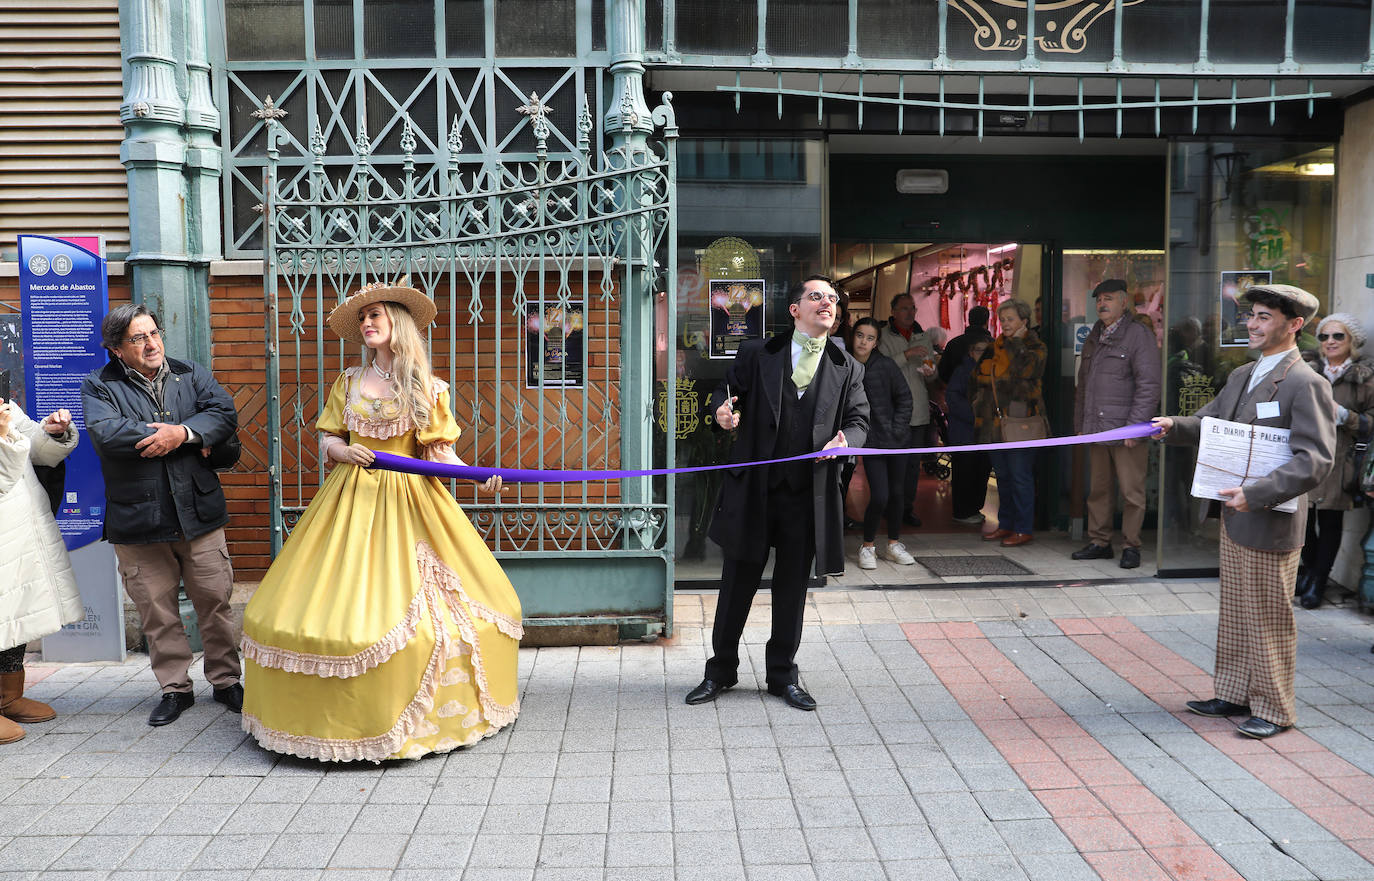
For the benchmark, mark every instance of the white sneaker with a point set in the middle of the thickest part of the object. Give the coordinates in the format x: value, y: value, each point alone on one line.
x: 868, y: 558
x: 897, y: 553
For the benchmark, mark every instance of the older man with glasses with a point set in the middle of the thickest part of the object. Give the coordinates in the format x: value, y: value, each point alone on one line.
x: 154, y: 422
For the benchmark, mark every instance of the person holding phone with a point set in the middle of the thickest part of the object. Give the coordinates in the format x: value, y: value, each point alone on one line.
x: 38, y: 592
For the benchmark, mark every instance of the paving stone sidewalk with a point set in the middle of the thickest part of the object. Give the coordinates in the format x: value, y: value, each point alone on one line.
x: 968, y: 734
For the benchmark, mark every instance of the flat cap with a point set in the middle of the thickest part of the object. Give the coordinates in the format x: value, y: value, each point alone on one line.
x: 1110, y: 286
x: 1304, y: 304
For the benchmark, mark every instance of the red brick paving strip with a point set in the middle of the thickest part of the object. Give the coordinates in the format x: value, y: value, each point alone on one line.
x: 1336, y: 794
x: 1121, y: 828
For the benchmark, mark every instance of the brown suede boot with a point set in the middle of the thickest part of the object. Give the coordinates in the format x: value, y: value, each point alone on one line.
x: 13, y: 704
x: 10, y: 731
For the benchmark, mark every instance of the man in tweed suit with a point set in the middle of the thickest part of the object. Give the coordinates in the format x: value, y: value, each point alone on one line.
x: 1256, y: 636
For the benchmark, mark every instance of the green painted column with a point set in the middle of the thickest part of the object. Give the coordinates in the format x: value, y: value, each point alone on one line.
x: 629, y: 123
x: 173, y: 166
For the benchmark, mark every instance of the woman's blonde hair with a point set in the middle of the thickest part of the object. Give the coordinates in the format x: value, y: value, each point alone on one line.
x: 409, y: 365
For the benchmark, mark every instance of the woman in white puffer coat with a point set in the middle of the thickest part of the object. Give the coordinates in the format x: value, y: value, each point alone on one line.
x: 38, y: 592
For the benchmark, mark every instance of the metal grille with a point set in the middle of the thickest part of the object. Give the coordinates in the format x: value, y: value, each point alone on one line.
x: 974, y: 564
x: 514, y: 254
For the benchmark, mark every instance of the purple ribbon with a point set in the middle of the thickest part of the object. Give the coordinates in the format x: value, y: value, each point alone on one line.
x: 407, y: 465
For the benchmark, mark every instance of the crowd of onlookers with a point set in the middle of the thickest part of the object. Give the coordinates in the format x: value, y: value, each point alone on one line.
x: 991, y: 388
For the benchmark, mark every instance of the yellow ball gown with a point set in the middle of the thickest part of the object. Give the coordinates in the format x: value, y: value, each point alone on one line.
x: 385, y: 628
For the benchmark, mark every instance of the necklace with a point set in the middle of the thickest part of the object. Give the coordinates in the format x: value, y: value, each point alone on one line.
x: 382, y: 373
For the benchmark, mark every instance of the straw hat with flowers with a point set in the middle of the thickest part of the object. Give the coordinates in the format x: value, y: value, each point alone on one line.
x: 343, y: 319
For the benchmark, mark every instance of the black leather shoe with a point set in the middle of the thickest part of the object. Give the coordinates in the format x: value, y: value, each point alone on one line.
x: 1092, y: 551
x: 912, y: 520
x: 1217, y: 708
x: 707, y: 691
x: 1259, y: 729
x: 231, y: 697
x: 1314, y: 591
x: 170, y: 707
x: 1130, y: 558
x: 794, y: 696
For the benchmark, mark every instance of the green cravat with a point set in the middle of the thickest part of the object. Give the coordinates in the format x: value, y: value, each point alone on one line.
x: 810, y: 359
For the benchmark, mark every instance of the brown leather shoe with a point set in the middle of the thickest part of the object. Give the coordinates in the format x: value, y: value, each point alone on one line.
x: 13, y: 704
x: 10, y: 731
x: 996, y: 534
x: 1016, y: 538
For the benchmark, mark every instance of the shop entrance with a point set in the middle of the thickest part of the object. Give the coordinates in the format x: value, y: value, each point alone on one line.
x: 1055, y: 226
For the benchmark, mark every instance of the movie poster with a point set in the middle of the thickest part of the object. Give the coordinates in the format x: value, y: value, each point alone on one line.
x: 554, y: 353
x: 736, y: 314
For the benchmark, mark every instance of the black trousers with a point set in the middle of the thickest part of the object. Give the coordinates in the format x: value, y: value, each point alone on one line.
x: 792, y: 536
x: 884, y: 475
x: 968, y: 483
x: 1323, y: 541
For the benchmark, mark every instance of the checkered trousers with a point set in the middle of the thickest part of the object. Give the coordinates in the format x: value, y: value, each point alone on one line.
x: 1257, y: 638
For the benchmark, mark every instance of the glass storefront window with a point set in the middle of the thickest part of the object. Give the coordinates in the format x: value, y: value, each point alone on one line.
x: 1247, y: 209
x: 722, y: 27
x: 398, y: 28
x: 264, y: 30
x: 898, y: 29
x: 808, y: 27
x: 1331, y: 30
x: 535, y: 28
x: 1161, y: 32
x: 1246, y: 30
x: 742, y: 242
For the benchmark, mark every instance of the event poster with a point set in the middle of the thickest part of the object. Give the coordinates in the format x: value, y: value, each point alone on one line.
x: 736, y: 314
x: 65, y: 296
x: 555, y: 354
x: 1233, y: 288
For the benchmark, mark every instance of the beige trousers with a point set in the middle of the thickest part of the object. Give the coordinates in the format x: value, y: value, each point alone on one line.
x: 1110, y: 467
x: 152, y: 573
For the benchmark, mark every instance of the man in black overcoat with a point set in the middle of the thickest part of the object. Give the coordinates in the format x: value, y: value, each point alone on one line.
x: 786, y: 396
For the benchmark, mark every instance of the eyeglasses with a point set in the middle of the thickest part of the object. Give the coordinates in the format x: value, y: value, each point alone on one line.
x: 1338, y: 337
x: 142, y: 338
x: 821, y: 296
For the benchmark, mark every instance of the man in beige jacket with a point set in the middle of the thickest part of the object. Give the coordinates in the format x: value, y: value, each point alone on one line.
x: 1257, y: 645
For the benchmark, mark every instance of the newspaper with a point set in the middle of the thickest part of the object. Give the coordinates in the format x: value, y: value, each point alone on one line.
x: 1232, y: 454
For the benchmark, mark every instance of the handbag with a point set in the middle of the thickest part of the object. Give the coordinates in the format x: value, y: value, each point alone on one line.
x: 1017, y: 429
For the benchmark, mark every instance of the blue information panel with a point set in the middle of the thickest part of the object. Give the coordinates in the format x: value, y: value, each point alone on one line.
x: 65, y: 296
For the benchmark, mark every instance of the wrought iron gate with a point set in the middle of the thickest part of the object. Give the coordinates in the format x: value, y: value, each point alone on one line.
x: 545, y: 275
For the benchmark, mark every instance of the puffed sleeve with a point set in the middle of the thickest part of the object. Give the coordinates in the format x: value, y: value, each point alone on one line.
x: 331, y: 419
x: 436, y: 441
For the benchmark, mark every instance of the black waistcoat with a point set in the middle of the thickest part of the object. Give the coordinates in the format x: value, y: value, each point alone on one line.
x: 795, y: 418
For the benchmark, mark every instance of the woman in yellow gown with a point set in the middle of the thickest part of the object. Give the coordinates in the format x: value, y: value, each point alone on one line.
x: 385, y: 628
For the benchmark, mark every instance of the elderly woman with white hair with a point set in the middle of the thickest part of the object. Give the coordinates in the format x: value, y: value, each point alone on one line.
x: 1340, y: 337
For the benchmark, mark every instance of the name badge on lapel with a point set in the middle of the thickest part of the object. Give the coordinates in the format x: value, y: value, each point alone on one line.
x: 1267, y: 410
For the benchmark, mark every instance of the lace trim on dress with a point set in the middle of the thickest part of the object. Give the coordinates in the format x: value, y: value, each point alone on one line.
x: 340, y: 666
x: 433, y: 571
x: 436, y: 580
x: 438, y: 452
x: 380, y: 426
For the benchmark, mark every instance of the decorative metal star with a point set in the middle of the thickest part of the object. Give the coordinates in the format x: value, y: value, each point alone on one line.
x: 268, y: 110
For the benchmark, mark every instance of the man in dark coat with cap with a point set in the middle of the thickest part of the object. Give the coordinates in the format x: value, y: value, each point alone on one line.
x: 1257, y: 646
x: 787, y: 396
x: 1118, y: 384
